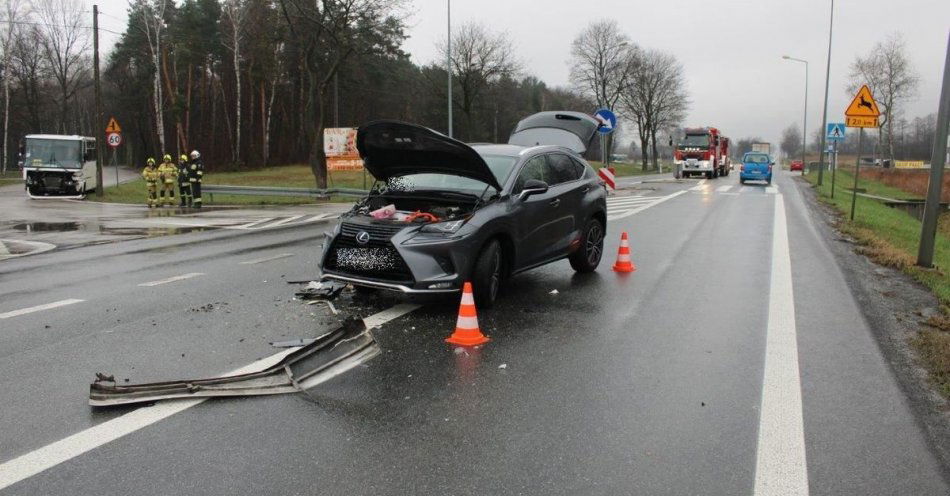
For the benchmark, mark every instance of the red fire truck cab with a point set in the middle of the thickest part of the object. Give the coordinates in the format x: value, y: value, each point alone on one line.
x: 702, y: 151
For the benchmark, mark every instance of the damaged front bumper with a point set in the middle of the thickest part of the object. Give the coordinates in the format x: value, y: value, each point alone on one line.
x: 328, y: 356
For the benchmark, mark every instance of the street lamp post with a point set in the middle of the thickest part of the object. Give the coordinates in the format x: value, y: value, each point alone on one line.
x: 805, y: 113
x: 824, y: 113
x: 448, y: 58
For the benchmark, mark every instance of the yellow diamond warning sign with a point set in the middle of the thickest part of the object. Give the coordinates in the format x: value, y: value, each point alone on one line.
x: 113, y: 126
x: 863, y: 104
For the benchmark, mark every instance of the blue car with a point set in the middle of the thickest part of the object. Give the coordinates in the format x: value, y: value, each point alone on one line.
x: 756, y: 166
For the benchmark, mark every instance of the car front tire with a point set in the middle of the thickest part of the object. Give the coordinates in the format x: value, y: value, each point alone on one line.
x: 588, y: 255
x: 487, y: 275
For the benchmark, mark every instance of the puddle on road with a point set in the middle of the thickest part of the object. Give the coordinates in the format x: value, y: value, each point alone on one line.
x: 37, y: 227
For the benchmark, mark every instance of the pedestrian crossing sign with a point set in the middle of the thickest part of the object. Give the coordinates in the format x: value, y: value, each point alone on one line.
x: 835, y: 131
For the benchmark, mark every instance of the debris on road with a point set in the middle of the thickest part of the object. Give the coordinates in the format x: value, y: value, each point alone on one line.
x: 327, y: 356
x: 320, y: 290
x: 553, y: 292
x: 503, y: 366
x: 292, y: 343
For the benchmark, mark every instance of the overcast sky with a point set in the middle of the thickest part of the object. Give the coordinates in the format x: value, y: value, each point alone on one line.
x: 731, y: 50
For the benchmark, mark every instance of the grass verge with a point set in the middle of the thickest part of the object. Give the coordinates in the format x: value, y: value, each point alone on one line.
x: 11, y: 177
x: 891, y: 237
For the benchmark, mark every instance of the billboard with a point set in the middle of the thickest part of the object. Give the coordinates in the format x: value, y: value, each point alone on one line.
x: 339, y: 144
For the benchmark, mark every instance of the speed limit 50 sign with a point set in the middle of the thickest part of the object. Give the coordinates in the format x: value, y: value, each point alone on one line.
x: 114, y: 139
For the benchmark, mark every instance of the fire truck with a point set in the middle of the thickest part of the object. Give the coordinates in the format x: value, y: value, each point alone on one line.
x: 702, y: 151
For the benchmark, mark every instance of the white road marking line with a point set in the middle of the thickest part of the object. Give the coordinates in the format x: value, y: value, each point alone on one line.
x: 39, y: 460
x: 279, y: 222
x: 780, y: 467
x: 745, y: 189
x: 771, y: 189
x: 266, y: 259
x: 699, y: 185
x: 255, y: 223
x: 3, y: 249
x: 38, y: 308
x: 723, y: 189
x: 634, y: 201
x: 172, y: 279
x: 637, y: 210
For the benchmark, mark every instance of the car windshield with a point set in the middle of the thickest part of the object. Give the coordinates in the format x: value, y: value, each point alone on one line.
x: 53, y: 152
x: 500, y: 166
x: 693, y: 140
x: 757, y: 158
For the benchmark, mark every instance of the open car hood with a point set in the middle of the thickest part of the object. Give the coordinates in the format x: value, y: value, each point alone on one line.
x: 393, y: 148
x: 574, y: 130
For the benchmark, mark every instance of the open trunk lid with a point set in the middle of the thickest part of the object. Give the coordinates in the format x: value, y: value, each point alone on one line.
x: 393, y: 148
x: 574, y: 130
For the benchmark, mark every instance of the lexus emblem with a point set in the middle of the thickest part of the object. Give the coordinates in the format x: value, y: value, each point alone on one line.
x: 362, y: 237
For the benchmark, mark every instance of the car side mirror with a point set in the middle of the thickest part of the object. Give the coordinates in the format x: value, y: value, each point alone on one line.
x: 533, y: 187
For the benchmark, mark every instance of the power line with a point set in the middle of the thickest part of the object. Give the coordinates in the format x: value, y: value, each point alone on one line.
x: 44, y: 24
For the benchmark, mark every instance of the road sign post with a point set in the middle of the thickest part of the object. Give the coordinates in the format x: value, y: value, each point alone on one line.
x: 114, y: 139
x: 608, y: 121
x: 834, y: 132
x: 938, y: 159
x: 862, y: 113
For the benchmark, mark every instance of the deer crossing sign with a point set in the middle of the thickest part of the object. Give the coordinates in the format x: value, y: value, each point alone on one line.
x: 863, y: 111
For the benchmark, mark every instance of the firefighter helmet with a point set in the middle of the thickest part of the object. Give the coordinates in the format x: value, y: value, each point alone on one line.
x: 195, y: 154
x: 183, y: 158
x: 150, y: 161
x: 167, y: 158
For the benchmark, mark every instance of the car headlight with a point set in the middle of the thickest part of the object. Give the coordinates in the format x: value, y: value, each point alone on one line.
x: 450, y: 227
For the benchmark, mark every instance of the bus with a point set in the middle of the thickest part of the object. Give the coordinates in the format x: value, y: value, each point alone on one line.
x: 58, y: 166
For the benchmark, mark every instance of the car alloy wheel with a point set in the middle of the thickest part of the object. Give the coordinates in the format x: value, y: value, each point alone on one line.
x: 595, y: 244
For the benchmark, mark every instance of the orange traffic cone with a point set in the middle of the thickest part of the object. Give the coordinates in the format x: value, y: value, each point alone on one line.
x: 623, y: 256
x: 466, y: 328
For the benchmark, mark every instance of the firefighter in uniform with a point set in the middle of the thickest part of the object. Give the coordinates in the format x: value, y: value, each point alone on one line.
x: 184, y: 184
x: 168, y: 172
x: 150, y: 174
x: 196, y: 170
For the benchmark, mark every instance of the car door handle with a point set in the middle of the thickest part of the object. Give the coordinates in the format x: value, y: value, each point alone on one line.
x: 555, y: 202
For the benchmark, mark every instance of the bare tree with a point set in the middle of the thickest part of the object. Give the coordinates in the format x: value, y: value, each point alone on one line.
x: 479, y: 58
x: 65, y: 44
x: 601, y: 59
x: 151, y: 15
x: 791, y: 140
x: 13, y: 14
x: 888, y: 73
x: 670, y: 100
x: 235, y: 13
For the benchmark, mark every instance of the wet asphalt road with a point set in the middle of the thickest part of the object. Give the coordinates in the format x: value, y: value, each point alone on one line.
x: 649, y: 383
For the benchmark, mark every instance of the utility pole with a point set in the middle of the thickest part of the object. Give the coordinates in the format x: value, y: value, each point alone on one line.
x: 938, y: 159
x: 99, y: 129
x: 824, y: 114
x: 805, y: 113
x: 448, y: 58
x: 336, y: 99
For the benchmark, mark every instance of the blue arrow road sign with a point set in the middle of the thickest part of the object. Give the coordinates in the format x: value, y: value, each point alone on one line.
x: 607, y: 120
x: 835, y: 131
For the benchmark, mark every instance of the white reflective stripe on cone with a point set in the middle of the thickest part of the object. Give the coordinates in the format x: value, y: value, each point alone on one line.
x: 468, y: 299
x: 623, y: 258
x: 468, y: 323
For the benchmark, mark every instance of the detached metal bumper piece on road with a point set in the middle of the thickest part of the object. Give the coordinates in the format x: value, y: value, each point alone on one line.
x: 330, y: 355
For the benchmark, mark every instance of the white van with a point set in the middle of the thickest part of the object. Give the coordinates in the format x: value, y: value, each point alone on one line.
x: 58, y: 166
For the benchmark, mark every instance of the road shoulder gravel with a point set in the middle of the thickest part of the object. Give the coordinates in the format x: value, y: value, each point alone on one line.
x: 895, y: 306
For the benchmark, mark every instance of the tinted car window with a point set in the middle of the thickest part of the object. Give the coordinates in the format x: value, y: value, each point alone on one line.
x: 533, y: 169
x: 582, y: 170
x: 562, y: 169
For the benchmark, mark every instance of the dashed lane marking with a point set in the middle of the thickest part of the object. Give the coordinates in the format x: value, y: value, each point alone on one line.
x: 172, y: 279
x: 266, y: 259
x: 53, y: 454
x: 780, y: 466
x: 38, y: 308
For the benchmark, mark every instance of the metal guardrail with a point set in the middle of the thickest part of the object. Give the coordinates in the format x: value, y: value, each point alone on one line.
x: 280, y: 191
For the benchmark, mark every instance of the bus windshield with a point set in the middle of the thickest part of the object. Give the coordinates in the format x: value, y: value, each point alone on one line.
x: 41, y: 152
